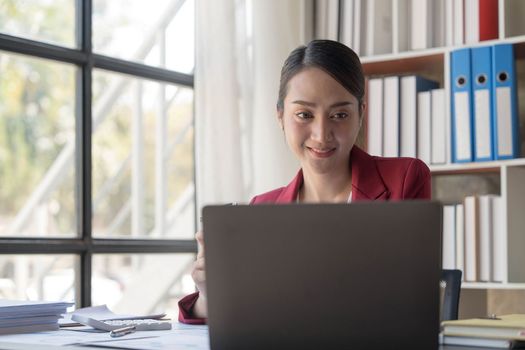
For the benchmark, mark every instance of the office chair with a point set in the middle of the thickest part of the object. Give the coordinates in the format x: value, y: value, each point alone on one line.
x: 451, y: 281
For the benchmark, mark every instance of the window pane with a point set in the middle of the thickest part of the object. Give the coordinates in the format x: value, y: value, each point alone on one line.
x: 37, y: 147
x: 143, y: 182
x: 43, y: 20
x: 156, y: 32
x: 38, y: 277
x: 142, y: 283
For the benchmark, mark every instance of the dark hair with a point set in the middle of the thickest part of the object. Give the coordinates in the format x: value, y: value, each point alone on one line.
x: 336, y: 59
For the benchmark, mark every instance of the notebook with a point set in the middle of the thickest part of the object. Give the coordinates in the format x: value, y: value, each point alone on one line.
x: 323, y: 276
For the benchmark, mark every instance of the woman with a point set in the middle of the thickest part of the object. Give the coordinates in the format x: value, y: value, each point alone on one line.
x: 320, y: 110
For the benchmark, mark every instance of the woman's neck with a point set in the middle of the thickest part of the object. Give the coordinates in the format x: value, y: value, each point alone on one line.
x: 325, y: 187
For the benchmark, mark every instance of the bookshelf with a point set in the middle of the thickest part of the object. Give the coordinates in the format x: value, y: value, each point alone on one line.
x: 453, y: 181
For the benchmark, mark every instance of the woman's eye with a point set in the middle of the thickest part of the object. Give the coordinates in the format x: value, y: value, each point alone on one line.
x: 340, y: 115
x: 303, y: 115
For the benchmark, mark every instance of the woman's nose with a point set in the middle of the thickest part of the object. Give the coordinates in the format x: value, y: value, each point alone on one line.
x: 322, y: 130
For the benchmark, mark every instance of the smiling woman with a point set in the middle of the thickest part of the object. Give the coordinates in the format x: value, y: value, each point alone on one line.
x: 320, y: 109
x: 321, y: 121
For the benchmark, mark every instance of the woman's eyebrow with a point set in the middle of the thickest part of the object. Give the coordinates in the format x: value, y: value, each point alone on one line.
x: 340, y: 104
x: 301, y: 102
x: 311, y: 104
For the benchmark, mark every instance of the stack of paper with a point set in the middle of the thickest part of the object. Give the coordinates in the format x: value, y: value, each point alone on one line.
x: 30, y: 316
x: 507, y: 331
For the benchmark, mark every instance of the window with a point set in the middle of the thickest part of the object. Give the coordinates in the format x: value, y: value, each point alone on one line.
x: 97, y: 183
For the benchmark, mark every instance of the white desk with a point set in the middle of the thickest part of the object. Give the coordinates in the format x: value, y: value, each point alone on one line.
x: 179, y: 337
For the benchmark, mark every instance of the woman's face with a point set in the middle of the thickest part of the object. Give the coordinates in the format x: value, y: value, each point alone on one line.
x: 320, y: 120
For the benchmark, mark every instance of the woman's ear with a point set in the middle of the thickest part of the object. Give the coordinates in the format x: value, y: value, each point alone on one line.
x: 362, y: 109
x: 280, y: 118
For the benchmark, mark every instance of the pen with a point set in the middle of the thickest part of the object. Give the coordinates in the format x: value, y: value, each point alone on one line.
x: 122, y: 331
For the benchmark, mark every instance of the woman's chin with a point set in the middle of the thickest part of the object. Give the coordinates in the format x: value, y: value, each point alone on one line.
x: 322, y: 166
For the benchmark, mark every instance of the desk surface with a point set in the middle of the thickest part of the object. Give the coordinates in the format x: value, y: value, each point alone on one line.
x: 180, y: 337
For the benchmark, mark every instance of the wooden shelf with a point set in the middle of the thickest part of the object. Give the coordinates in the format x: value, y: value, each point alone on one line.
x: 425, y: 62
x: 491, y: 285
x: 430, y: 60
x: 477, y: 167
x: 426, y: 53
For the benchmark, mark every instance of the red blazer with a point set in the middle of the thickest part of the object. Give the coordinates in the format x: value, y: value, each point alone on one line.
x: 373, y: 178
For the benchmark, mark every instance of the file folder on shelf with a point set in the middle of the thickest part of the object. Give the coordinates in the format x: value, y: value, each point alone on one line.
x: 439, y: 127
x: 504, y: 103
x: 424, y: 128
x: 410, y: 87
x: 461, y: 106
x: 375, y: 117
x: 449, y: 238
x: 482, y: 100
x: 481, y: 20
x: 391, y: 112
x: 499, y: 246
x: 460, y: 239
x: 485, y: 237
x: 471, y: 258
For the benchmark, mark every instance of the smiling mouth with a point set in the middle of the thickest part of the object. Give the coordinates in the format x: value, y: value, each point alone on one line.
x: 321, y: 153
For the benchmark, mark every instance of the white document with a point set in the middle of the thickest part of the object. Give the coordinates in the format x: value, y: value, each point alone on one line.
x: 424, y: 128
x: 179, y: 338
x: 471, y: 238
x: 499, y: 262
x: 391, y: 117
x: 460, y: 239
x: 485, y: 237
x: 375, y: 117
x: 69, y: 337
x: 449, y: 238
x: 439, y: 127
x: 20, y: 308
x: 22, y: 316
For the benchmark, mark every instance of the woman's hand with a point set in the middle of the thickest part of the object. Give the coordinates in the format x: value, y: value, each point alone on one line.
x: 200, y: 309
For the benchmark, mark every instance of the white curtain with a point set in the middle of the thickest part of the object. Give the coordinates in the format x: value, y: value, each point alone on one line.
x: 241, y: 46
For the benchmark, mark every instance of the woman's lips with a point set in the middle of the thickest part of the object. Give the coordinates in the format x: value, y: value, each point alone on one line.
x: 321, y: 153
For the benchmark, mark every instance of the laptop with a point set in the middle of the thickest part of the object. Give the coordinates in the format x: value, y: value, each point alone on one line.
x: 323, y: 276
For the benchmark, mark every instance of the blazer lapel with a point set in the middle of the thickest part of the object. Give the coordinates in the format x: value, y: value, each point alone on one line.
x: 367, y: 183
x: 289, y: 193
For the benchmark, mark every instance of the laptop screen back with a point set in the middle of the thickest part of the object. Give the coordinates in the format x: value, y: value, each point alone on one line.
x: 323, y: 276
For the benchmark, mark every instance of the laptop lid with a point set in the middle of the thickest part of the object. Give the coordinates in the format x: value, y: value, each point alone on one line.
x: 323, y: 276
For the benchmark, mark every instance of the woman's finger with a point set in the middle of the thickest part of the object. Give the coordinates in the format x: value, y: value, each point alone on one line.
x: 200, y: 243
x: 199, y: 264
